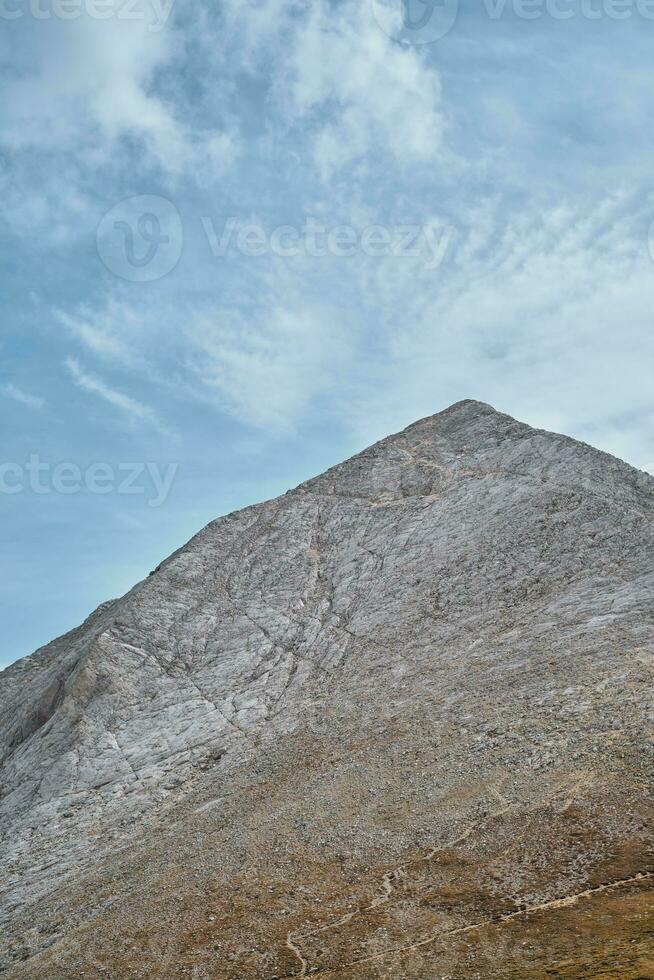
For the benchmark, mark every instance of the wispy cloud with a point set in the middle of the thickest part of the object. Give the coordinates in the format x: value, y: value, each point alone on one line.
x: 536, y: 309
x: 96, y: 337
x: 106, y: 95
x: 355, y: 90
x: 22, y: 397
x: 387, y: 96
x: 268, y: 372
x: 134, y: 410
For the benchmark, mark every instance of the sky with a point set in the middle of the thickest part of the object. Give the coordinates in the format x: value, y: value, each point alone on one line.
x: 243, y: 240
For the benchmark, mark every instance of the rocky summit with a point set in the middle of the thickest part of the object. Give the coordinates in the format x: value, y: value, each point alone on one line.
x: 395, y: 723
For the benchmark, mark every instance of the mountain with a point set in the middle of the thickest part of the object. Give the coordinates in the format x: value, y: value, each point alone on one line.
x: 395, y: 723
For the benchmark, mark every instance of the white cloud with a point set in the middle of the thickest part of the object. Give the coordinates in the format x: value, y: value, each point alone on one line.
x: 22, y: 397
x: 382, y: 95
x: 96, y: 337
x: 86, y: 86
x: 265, y: 368
x: 538, y: 312
x: 269, y: 370
x: 356, y: 90
x: 134, y: 410
x: 527, y: 309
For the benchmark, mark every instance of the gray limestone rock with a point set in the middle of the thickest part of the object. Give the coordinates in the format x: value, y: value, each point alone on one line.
x: 443, y: 646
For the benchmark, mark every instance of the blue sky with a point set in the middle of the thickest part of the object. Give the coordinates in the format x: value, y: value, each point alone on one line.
x: 241, y: 241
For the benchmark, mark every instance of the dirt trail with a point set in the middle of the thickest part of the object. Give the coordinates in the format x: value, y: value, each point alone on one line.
x: 565, y: 901
x: 296, y: 952
x: 387, y: 884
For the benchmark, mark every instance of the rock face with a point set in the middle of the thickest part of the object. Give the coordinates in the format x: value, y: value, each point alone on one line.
x: 395, y: 723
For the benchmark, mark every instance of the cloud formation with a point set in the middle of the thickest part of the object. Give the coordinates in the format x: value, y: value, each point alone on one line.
x: 134, y: 411
x: 17, y: 394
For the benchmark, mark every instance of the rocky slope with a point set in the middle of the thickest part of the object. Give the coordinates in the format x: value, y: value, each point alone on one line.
x: 395, y: 723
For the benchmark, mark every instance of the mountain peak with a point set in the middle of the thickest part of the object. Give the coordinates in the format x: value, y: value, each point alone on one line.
x: 427, y: 659
x: 467, y: 406
x: 470, y: 438
x: 468, y: 412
